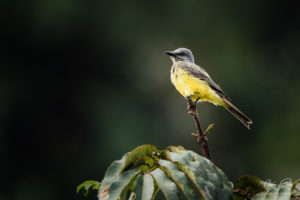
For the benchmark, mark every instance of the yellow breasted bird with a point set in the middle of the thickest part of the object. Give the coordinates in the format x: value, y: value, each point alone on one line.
x: 193, y: 82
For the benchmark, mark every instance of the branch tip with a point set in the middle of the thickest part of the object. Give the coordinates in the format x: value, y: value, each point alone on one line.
x: 194, y: 135
x: 208, y: 129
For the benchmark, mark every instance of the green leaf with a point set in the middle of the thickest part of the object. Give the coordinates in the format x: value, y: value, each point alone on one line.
x: 250, y: 185
x: 143, y: 188
x: 285, y: 189
x: 138, y: 188
x: 165, y: 154
x: 113, y: 183
x: 189, y: 190
x: 143, y: 168
x: 190, y: 175
x: 167, y: 186
x: 176, y: 149
x: 159, y: 195
x: 156, y: 158
x: 275, y: 192
x: 149, y: 161
x: 210, y: 179
x: 115, y: 169
x: 256, y: 189
x: 296, y: 188
x: 111, y: 190
x: 148, y: 187
x: 132, y: 182
x: 139, y: 153
x: 87, y: 185
x: 175, y: 173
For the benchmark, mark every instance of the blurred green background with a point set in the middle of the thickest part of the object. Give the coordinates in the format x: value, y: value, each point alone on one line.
x: 83, y: 82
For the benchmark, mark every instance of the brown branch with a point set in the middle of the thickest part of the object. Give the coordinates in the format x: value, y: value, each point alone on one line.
x: 201, y: 137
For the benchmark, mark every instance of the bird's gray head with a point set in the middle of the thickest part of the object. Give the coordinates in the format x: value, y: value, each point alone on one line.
x: 181, y: 54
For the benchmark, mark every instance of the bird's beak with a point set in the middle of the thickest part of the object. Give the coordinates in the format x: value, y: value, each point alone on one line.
x: 170, y: 53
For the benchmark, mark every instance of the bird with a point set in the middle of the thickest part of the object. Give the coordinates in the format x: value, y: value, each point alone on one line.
x: 195, y: 84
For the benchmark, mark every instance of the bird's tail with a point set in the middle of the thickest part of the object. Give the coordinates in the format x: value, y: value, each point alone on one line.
x: 238, y: 114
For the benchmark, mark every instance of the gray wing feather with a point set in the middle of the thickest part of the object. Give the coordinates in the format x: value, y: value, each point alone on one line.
x: 200, y: 73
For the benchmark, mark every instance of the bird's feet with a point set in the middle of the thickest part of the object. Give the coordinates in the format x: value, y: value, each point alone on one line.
x: 191, y: 106
x: 190, y: 102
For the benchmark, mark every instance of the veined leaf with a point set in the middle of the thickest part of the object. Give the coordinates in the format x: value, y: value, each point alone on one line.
x: 275, y: 192
x: 138, y: 188
x: 139, y: 153
x: 250, y: 185
x: 148, y: 187
x: 143, y: 188
x: 212, y: 181
x: 113, y: 183
x: 111, y: 190
x: 296, y: 189
x: 256, y: 189
x: 167, y: 186
x: 175, y: 173
x: 88, y: 185
x: 181, y: 180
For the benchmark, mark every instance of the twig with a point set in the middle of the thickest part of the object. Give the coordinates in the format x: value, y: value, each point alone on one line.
x: 208, y: 129
x: 201, y: 137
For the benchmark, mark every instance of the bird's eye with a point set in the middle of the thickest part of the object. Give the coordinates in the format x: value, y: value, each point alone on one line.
x: 181, y: 54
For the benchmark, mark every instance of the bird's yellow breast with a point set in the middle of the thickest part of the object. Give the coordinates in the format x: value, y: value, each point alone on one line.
x: 188, y: 85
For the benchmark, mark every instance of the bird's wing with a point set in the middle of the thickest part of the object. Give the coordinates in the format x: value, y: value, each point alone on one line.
x: 200, y: 73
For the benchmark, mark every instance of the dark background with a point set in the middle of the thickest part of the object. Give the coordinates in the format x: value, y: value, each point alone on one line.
x: 84, y: 82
